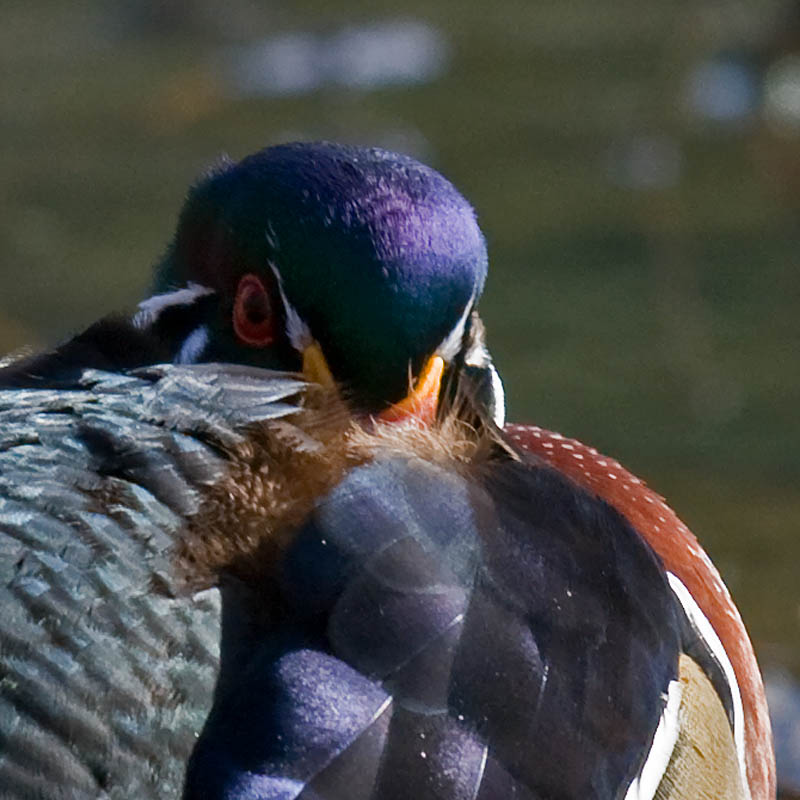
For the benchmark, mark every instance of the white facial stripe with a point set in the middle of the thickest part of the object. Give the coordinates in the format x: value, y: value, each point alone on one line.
x: 151, y: 309
x: 645, y: 784
x: 451, y: 343
x: 297, y: 331
x: 704, y: 629
x: 193, y: 346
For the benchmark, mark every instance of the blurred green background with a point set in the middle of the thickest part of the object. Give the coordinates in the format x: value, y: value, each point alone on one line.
x: 635, y: 167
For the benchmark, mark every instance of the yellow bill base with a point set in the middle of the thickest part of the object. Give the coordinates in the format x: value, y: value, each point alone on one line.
x: 315, y: 367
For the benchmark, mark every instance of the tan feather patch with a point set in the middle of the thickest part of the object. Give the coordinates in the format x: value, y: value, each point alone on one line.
x: 283, y: 468
x: 703, y: 764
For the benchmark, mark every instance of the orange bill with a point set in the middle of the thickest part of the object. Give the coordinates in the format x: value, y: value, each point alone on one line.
x: 421, y: 403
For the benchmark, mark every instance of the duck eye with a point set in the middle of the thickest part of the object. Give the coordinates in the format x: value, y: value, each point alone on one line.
x: 252, y: 313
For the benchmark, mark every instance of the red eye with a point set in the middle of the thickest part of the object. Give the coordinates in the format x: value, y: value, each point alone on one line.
x: 252, y: 313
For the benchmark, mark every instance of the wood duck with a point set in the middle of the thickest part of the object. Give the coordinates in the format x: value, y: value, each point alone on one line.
x: 416, y: 599
x: 368, y: 257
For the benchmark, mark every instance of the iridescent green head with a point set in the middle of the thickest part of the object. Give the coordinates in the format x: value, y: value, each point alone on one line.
x: 373, y: 256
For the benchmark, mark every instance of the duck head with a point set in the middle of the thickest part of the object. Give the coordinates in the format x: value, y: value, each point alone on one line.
x: 356, y: 265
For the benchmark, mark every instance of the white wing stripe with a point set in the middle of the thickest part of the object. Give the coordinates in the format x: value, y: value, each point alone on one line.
x: 705, y: 630
x: 645, y: 784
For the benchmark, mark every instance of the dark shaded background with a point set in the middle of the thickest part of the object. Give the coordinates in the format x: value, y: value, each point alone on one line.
x: 635, y: 167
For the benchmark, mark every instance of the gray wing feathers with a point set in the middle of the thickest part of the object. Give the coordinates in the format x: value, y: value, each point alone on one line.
x: 106, y: 669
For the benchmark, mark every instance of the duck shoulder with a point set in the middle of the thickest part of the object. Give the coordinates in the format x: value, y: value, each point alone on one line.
x: 107, y: 665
